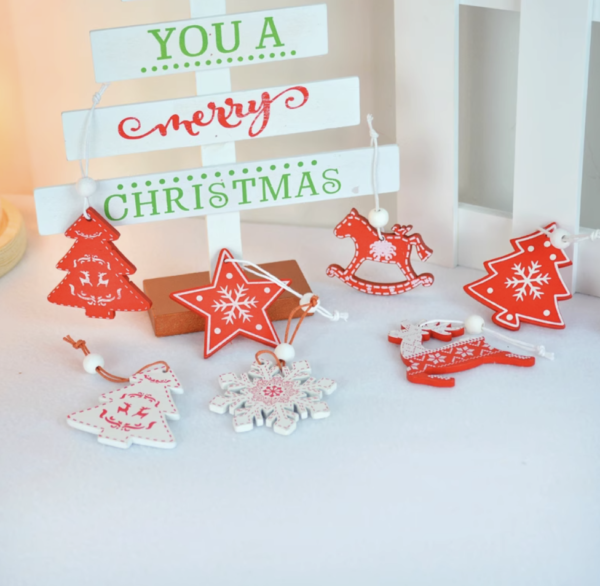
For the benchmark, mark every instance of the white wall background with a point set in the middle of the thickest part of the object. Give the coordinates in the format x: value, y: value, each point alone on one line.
x: 489, y: 45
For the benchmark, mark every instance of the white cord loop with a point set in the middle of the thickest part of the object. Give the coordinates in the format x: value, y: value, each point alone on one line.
x: 533, y: 348
x: 479, y: 328
x: 375, y: 145
x: 574, y: 238
x: 260, y: 272
x: 84, y: 162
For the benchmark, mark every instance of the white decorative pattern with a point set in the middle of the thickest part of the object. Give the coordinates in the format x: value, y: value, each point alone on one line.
x: 235, y: 304
x: 528, y: 281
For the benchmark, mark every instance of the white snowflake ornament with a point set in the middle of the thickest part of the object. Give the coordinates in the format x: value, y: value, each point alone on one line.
x: 278, y: 397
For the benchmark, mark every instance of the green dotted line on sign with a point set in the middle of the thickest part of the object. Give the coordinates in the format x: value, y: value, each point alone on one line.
x: 217, y: 174
x: 210, y: 62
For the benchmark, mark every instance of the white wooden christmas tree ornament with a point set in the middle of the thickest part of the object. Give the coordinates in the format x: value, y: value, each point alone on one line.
x: 134, y: 414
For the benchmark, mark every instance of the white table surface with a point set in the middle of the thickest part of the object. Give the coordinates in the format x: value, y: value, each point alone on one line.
x: 494, y: 482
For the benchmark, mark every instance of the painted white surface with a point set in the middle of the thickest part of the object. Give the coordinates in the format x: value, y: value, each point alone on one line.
x: 588, y: 273
x: 225, y: 231
x: 330, y: 104
x: 551, y: 109
x: 427, y: 120
x: 494, y: 482
x: 496, y: 4
x: 489, y: 53
x: 135, y: 52
x: 484, y: 234
x: 344, y: 174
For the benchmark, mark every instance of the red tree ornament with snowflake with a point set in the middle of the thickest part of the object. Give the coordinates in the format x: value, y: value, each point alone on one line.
x: 525, y: 286
x: 233, y: 306
x: 97, y: 272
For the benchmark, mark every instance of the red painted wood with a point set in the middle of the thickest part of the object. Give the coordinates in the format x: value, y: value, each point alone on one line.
x: 97, y: 273
x: 393, y: 248
x: 233, y: 306
x: 526, y: 285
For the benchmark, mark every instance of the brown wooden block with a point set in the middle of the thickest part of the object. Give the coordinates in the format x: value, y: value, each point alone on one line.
x: 171, y: 319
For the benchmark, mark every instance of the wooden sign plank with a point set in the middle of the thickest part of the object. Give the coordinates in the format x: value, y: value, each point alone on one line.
x: 223, y: 189
x: 201, y: 44
x: 225, y: 117
x: 222, y: 230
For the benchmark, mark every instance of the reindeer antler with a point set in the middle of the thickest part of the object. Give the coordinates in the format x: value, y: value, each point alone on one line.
x: 443, y: 330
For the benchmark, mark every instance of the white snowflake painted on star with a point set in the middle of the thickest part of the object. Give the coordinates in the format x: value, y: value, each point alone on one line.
x: 279, y: 398
x: 235, y: 304
x: 528, y: 281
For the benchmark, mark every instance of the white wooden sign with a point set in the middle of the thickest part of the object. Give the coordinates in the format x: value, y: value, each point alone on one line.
x: 223, y: 188
x: 204, y: 120
x: 202, y: 44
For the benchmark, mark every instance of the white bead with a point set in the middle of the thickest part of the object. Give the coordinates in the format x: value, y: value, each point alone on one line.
x: 285, y: 352
x: 474, y: 324
x: 305, y: 300
x: 557, y: 239
x: 91, y: 362
x: 378, y: 218
x: 86, y: 186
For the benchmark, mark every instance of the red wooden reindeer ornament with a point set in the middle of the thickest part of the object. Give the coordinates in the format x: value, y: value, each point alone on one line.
x: 427, y: 367
x: 389, y: 248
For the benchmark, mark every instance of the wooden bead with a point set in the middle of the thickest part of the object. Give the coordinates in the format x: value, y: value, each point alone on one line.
x: 474, y: 325
x: 285, y: 352
x: 91, y: 362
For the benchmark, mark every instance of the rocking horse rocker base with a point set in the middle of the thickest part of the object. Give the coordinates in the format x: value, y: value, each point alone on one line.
x: 392, y: 248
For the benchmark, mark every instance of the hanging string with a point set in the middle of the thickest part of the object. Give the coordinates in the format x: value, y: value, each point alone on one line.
x: 81, y: 345
x: 375, y: 166
x: 537, y: 350
x: 305, y: 309
x: 84, y: 162
x: 574, y: 238
x: 254, y: 269
x: 532, y: 348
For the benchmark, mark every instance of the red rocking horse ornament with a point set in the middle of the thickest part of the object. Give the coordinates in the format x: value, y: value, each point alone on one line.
x: 387, y: 248
x: 427, y: 366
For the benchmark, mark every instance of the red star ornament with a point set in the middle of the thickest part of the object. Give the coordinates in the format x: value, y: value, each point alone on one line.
x: 233, y: 306
x: 526, y: 285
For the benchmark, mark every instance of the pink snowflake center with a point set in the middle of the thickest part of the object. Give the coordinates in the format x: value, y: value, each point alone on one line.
x: 272, y: 391
x: 275, y: 390
x: 382, y: 250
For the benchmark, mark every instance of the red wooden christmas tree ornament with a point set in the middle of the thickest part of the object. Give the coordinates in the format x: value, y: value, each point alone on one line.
x: 233, y: 306
x: 97, y: 272
x: 427, y: 366
x: 526, y: 285
x: 391, y: 248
